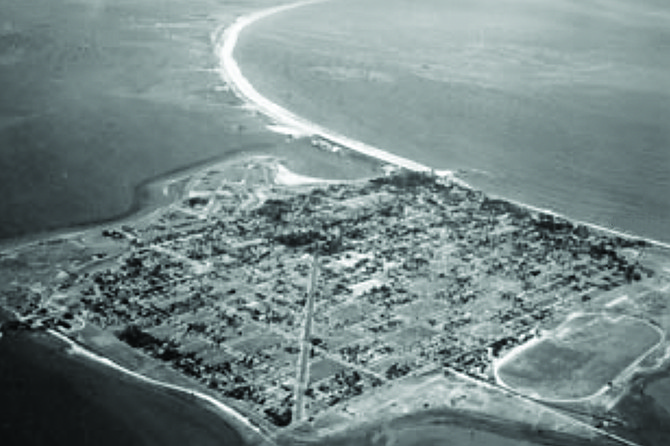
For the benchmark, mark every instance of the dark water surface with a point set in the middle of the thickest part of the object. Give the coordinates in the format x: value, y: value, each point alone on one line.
x: 563, y: 104
x: 98, y: 96
x: 50, y: 398
x: 660, y: 391
x: 646, y: 408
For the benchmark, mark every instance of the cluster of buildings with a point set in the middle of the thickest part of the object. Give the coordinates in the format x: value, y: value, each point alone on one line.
x: 416, y: 274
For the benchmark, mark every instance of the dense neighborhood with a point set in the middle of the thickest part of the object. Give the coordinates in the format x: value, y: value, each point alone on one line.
x: 416, y: 273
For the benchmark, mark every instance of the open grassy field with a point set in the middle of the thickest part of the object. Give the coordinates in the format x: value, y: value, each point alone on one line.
x: 579, y: 358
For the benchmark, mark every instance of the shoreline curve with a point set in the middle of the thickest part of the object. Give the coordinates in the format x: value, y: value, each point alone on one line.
x: 228, y: 412
x: 225, y: 40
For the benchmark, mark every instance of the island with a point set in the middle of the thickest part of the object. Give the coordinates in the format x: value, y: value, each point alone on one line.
x: 406, y: 294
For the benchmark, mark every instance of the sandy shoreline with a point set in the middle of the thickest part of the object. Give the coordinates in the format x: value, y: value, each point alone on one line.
x: 254, y: 433
x: 463, y: 420
x: 226, y: 40
x: 231, y: 415
x: 74, y: 399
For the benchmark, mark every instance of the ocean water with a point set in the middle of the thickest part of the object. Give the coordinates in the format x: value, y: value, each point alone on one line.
x: 50, y: 397
x: 564, y: 104
x: 99, y: 96
x: 555, y: 103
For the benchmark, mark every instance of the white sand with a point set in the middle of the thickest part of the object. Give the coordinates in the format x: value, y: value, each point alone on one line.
x: 285, y: 177
x: 230, y: 72
x: 228, y: 411
x: 284, y: 119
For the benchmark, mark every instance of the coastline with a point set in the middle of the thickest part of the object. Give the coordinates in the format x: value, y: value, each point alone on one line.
x: 68, y: 397
x: 225, y: 41
x: 298, y: 125
x: 248, y: 427
x: 242, y: 424
x: 160, y: 191
x: 297, y: 180
x: 115, y: 99
x: 247, y: 424
x: 149, y: 195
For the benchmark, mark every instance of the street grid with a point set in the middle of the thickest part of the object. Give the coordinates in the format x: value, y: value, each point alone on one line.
x: 416, y: 274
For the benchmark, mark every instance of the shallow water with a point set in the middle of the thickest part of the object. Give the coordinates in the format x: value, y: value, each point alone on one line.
x: 562, y: 104
x: 646, y: 409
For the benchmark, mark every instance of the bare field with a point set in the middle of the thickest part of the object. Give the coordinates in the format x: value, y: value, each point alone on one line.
x: 580, y: 358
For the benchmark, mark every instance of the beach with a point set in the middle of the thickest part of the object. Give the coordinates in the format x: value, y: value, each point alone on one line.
x: 473, y: 414
x: 111, y: 107
x: 50, y: 396
x: 102, y: 98
x: 516, y: 98
x: 245, y: 134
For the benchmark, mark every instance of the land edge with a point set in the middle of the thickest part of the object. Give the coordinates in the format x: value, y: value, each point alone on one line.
x: 148, y: 196
x: 258, y: 431
x: 240, y: 422
x: 325, y: 136
x: 225, y: 40
x: 252, y: 428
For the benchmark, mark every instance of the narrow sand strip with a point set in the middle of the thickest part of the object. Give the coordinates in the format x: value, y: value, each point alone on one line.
x: 225, y: 40
x: 287, y: 177
x: 231, y: 74
x: 238, y: 418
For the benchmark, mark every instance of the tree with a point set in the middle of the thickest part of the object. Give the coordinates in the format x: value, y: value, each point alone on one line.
x: 135, y: 337
x: 279, y: 416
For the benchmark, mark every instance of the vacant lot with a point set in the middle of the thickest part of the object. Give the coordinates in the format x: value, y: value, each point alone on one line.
x: 579, y: 358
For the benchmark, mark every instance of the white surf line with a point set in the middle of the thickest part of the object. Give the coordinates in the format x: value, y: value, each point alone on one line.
x: 227, y: 410
x: 286, y: 177
x: 225, y: 40
x: 231, y: 74
x: 615, y: 232
x: 617, y: 301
